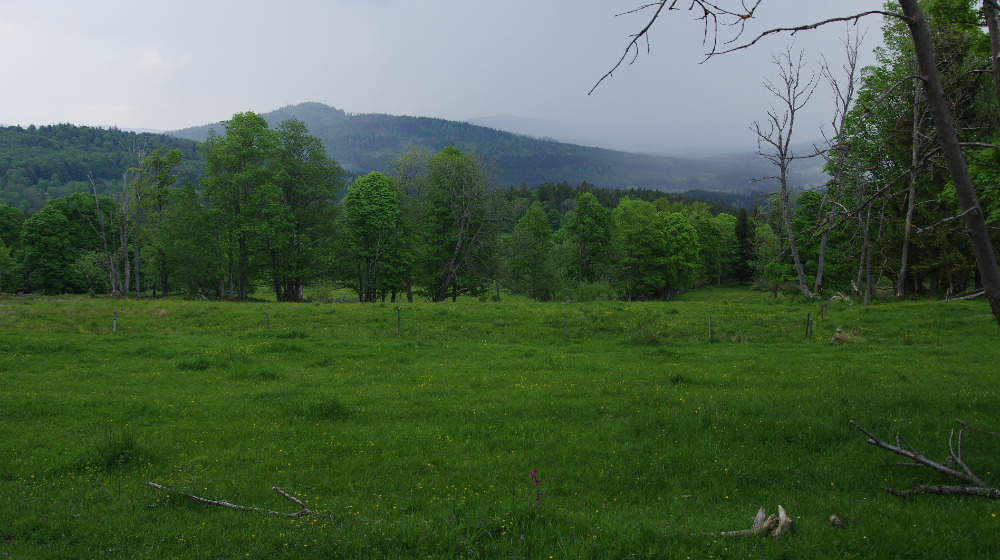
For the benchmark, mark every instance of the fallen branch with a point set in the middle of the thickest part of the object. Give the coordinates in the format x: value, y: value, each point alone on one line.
x: 976, y: 485
x: 966, y: 298
x: 991, y: 493
x: 220, y: 503
x: 773, y: 525
x: 978, y: 429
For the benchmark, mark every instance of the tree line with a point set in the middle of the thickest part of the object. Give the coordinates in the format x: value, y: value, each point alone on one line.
x: 273, y: 209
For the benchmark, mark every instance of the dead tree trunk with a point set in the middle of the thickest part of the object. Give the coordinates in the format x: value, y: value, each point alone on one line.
x: 911, y: 203
x: 774, y: 141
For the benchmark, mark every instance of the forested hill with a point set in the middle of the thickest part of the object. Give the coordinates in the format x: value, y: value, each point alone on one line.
x: 47, y: 162
x: 366, y: 142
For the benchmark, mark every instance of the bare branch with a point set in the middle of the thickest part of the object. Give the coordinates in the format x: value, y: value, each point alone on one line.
x: 992, y: 493
x: 967, y: 425
x: 710, y: 12
x: 946, y: 220
x: 919, y: 458
x: 221, y: 503
x: 793, y: 30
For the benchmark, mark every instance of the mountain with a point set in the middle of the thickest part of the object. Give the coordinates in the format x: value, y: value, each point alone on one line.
x: 366, y: 142
x: 42, y: 163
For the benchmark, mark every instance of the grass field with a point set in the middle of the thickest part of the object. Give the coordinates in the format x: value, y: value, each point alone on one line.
x: 643, y: 434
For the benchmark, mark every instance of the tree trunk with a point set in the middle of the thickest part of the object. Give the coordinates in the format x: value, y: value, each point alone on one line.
x: 911, y: 203
x: 164, y: 275
x: 786, y: 214
x: 993, y: 24
x: 975, y: 219
x: 135, y: 253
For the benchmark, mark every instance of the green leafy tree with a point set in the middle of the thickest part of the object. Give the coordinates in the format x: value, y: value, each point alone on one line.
x: 149, y: 191
x: 375, y: 249
x: 49, y: 257
x: 11, y: 220
x: 459, y: 224
x: 729, y: 247
x: 768, y: 264
x: 682, y: 247
x: 8, y: 264
x: 189, y: 243
x: 590, y: 231
x: 409, y: 171
x: 309, y: 181
x: 532, y: 269
x: 240, y: 186
x: 709, y: 244
x: 641, y: 249
x: 746, y: 252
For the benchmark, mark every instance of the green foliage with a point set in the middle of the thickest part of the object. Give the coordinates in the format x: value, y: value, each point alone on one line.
x: 589, y: 230
x: 188, y: 240
x: 49, y: 162
x: 532, y: 266
x: 458, y: 228
x: 241, y: 189
x: 49, y: 253
x: 309, y: 181
x: 658, y: 252
x: 10, y: 226
x: 375, y: 247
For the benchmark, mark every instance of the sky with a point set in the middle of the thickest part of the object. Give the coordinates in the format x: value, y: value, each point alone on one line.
x: 136, y: 64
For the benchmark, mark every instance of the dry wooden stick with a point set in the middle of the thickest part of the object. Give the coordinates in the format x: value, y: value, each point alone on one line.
x: 965, y: 424
x: 976, y: 488
x: 221, y: 503
x: 774, y: 525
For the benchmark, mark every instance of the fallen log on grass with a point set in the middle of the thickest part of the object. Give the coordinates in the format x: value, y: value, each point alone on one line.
x: 221, y: 503
x: 975, y: 485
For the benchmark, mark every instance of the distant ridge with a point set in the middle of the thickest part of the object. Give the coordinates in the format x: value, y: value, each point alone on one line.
x: 366, y: 142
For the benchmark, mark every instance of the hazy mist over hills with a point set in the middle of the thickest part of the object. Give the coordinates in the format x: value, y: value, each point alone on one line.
x: 366, y: 142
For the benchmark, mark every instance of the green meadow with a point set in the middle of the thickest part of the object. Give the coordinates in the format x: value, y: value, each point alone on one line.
x: 644, y: 435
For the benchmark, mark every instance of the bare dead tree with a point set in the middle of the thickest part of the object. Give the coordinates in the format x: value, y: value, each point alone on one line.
x: 715, y: 13
x: 793, y: 91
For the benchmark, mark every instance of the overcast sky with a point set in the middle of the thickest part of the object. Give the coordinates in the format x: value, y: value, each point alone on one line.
x: 169, y: 65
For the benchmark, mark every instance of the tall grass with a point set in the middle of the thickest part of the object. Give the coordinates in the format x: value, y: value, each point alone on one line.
x: 644, y: 434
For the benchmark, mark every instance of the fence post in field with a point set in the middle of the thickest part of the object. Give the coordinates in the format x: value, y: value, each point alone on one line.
x: 564, y: 327
x: 267, y: 320
x: 809, y: 326
x: 399, y: 331
x: 114, y: 323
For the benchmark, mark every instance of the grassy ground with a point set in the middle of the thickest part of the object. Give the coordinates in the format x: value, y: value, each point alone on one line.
x: 643, y: 432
